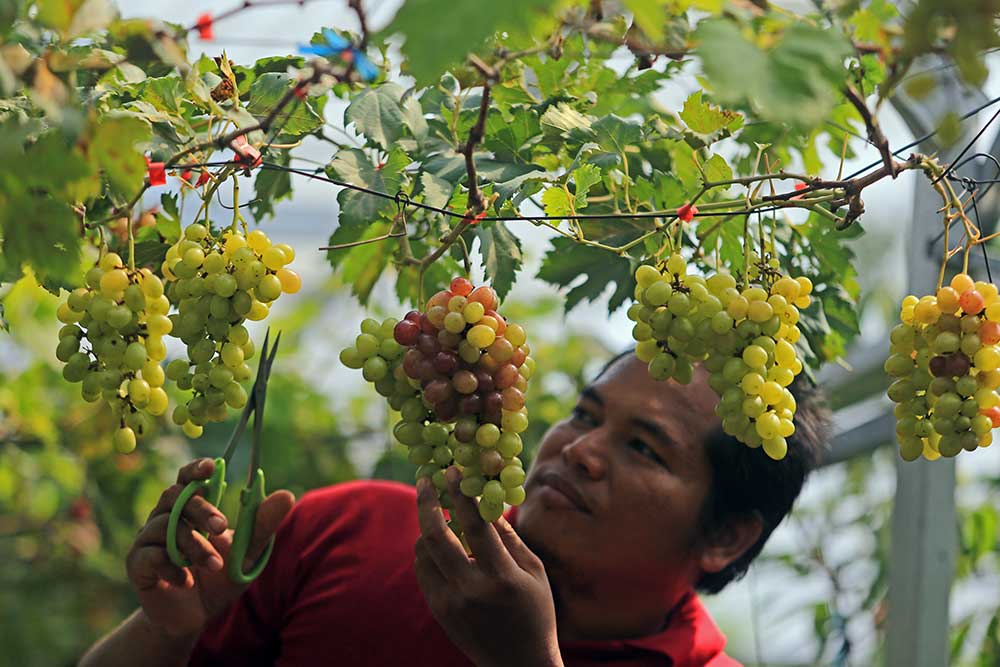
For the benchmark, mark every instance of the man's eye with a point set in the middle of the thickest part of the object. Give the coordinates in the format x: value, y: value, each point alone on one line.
x: 646, y: 450
x: 582, y: 416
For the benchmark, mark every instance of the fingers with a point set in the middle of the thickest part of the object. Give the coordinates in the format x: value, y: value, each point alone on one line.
x: 197, y: 469
x: 481, y: 536
x: 429, y: 576
x: 271, y: 512
x: 197, y: 549
x: 525, y: 558
x: 200, y: 513
x: 148, y: 566
x: 436, y: 539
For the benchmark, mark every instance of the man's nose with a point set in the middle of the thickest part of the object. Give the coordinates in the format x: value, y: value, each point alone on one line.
x: 588, y: 452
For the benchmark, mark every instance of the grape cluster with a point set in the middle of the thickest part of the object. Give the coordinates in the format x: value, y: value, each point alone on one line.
x: 945, y: 361
x: 218, y: 284
x: 745, y: 338
x: 112, y: 343
x: 457, y: 374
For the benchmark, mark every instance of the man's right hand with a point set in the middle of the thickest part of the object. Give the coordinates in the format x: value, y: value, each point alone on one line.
x: 181, y: 601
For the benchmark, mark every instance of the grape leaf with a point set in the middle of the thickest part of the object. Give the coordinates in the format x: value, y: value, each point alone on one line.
x: 365, y: 263
x: 41, y: 232
x: 150, y: 253
x: 650, y: 16
x: 354, y: 167
x: 557, y: 201
x: 797, y: 81
x: 440, y: 33
x: 376, y: 113
x: 567, y: 260
x: 717, y: 169
x: 615, y: 134
x: 565, y: 118
x: 270, y: 187
x: 705, y: 118
x: 296, y: 119
x: 501, y: 253
x: 112, y: 147
x: 585, y: 177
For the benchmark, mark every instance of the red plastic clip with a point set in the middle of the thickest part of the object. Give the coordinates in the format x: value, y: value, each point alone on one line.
x: 301, y: 89
x: 156, y: 173
x: 800, y: 186
x: 246, y: 154
x: 204, y: 27
x: 186, y: 176
x: 687, y: 212
x: 203, y: 178
x: 474, y: 219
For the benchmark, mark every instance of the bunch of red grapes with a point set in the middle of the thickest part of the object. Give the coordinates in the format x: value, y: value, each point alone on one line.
x: 459, y: 388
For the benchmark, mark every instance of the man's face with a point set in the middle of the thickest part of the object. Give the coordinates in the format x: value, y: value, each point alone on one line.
x: 617, y: 488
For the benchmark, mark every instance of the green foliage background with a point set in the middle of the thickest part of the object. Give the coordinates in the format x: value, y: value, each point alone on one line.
x: 573, y: 126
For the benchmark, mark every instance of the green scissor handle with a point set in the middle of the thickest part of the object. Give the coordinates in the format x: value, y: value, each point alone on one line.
x: 214, y: 487
x: 250, y: 499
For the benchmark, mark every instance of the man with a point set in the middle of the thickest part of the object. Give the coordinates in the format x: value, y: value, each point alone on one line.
x: 633, y: 502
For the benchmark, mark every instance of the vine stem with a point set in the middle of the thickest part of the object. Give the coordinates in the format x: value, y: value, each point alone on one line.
x: 236, y: 203
x: 131, y: 245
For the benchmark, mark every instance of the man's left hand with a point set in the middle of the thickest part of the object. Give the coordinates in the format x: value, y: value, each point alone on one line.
x: 496, y: 605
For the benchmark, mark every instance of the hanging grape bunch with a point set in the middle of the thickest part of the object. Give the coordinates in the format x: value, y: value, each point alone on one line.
x: 945, y: 358
x: 112, y: 343
x: 745, y: 338
x: 457, y: 374
x: 217, y: 284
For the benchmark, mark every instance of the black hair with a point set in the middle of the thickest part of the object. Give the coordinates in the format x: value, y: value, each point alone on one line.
x: 746, y: 483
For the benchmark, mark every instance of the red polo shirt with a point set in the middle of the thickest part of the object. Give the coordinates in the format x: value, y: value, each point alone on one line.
x: 340, y: 589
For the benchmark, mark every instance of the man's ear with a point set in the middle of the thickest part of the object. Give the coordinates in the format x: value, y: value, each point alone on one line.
x: 728, y: 542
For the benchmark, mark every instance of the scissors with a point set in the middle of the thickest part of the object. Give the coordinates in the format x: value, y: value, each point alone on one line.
x: 250, y: 497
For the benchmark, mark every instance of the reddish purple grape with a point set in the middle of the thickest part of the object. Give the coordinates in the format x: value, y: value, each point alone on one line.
x: 446, y: 410
x: 411, y: 363
x: 465, y: 427
x: 465, y: 382
x: 491, y: 462
x: 438, y: 391
x: 446, y: 362
x: 518, y: 357
x: 492, y: 417
x: 413, y: 316
x: 501, y: 349
x: 938, y: 366
x: 426, y: 326
x: 513, y: 399
x: 505, y: 376
x: 484, y: 380
x: 428, y: 344
x: 448, y: 339
x: 406, y: 332
x: 470, y: 405
x: 958, y: 364
x: 492, y: 402
x: 425, y: 370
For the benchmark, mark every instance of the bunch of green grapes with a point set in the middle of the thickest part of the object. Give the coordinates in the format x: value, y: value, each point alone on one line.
x: 745, y: 338
x: 112, y: 343
x: 459, y: 388
x: 672, y: 314
x: 755, y: 361
x: 217, y: 284
x: 944, y: 358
